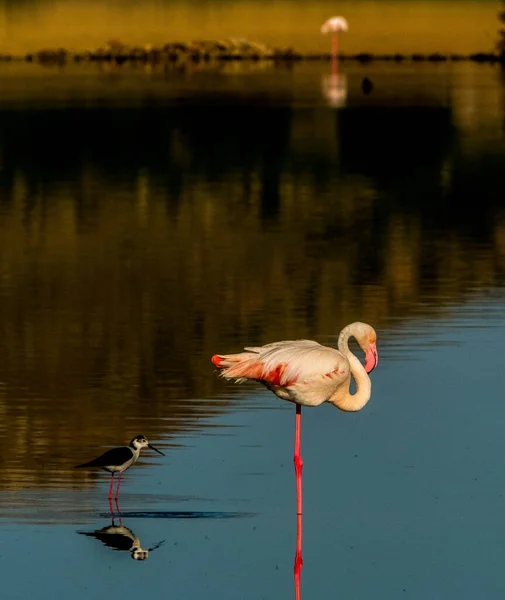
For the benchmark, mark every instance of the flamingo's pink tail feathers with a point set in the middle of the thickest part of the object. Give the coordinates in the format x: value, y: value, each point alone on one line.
x: 217, y: 361
x: 238, y: 366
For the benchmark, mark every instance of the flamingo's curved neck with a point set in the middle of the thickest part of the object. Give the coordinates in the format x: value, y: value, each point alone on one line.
x: 343, y: 399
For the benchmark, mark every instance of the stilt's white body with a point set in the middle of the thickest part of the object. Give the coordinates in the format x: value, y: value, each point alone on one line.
x: 128, y: 463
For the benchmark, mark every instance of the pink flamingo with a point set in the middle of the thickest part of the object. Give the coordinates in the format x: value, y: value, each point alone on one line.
x: 308, y: 374
x: 334, y: 25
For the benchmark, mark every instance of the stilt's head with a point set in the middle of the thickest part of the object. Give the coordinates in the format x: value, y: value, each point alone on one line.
x: 140, y: 441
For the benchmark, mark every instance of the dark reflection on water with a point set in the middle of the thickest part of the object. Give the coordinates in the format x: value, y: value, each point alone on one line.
x: 181, y: 514
x: 139, y: 238
x: 119, y: 537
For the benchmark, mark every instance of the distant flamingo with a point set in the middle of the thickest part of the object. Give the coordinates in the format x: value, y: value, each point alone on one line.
x: 308, y: 374
x: 334, y: 25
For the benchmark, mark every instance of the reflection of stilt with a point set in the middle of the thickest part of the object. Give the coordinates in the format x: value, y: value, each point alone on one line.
x: 298, y: 556
x: 117, y: 514
x: 119, y: 537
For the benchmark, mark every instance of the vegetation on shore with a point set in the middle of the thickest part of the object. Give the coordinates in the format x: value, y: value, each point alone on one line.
x: 234, y: 49
x: 501, y: 41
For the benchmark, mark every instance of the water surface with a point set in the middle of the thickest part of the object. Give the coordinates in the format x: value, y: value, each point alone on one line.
x: 152, y: 218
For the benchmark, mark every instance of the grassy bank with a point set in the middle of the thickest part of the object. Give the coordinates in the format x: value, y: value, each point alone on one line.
x: 228, y: 50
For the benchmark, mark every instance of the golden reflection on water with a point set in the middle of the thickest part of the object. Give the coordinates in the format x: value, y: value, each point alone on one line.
x: 376, y: 26
x: 125, y: 264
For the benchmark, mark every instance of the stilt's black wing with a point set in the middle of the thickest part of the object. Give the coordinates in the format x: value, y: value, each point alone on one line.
x: 113, y: 457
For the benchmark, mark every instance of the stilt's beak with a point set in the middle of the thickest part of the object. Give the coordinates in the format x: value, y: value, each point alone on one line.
x: 155, y: 449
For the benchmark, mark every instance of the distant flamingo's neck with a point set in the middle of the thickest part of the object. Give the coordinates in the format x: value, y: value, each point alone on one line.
x: 343, y: 399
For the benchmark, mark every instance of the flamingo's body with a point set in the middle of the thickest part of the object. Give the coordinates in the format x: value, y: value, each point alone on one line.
x: 335, y: 24
x: 308, y: 374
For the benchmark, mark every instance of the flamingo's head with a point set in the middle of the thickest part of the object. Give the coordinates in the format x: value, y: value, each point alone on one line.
x: 367, y: 339
x: 334, y: 24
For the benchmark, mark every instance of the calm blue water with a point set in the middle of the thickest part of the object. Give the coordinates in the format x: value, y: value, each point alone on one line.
x: 138, y: 238
x: 402, y: 498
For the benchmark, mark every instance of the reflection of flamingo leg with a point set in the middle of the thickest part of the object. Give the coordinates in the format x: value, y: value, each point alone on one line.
x: 298, y: 460
x: 334, y: 66
x: 298, y: 557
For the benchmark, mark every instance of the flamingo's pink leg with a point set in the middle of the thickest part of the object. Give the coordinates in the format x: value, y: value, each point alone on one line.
x: 111, y: 484
x: 298, y: 459
x: 118, y: 484
x: 298, y: 557
x: 334, y: 45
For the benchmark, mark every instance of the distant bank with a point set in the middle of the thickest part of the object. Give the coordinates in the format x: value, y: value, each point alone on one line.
x: 228, y: 50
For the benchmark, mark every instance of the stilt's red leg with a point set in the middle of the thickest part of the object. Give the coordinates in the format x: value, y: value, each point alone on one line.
x: 298, y: 557
x: 118, y: 484
x: 298, y: 459
x: 111, y: 484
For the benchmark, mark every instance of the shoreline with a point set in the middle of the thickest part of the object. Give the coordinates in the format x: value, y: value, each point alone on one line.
x: 230, y: 50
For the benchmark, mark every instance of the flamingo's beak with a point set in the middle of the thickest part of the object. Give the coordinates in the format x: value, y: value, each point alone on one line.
x: 371, y: 357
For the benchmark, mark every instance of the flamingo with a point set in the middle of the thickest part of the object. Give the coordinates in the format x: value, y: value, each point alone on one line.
x: 334, y: 24
x: 306, y: 373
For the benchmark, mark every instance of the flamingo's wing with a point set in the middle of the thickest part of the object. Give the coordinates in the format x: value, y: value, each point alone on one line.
x: 286, y: 363
x: 283, y: 344
x: 303, y: 361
